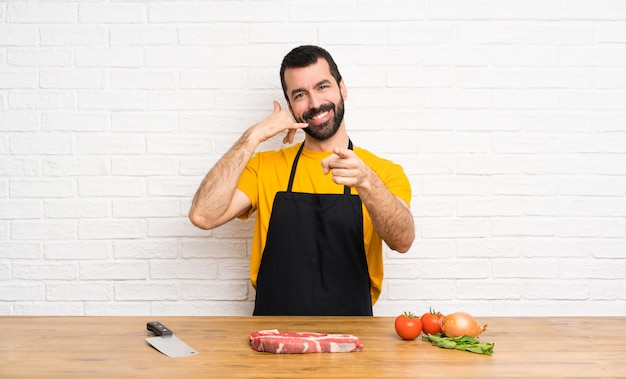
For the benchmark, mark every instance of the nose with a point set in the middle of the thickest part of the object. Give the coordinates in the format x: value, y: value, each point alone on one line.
x: 314, y: 101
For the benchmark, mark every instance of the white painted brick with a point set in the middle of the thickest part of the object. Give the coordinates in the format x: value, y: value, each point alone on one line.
x: 456, y: 56
x: 204, y: 269
x: 602, y: 10
x: 19, y: 35
x: 530, y: 9
x: 608, y: 248
x: 556, y: 290
x: 593, y: 143
x: 354, y: 34
x: 77, y: 250
x: 489, y: 121
x: 530, y: 226
x: 20, y: 209
x: 557, y: 206
x: 174, y: 227
x: 185, y: 12
x: 20, y: 250
x: 423, y: 78
x: 176, y: 187
x: 260, y: 11
x: 566, y: 164
x: 525, y: 185
x: 142, y: 34
x: 75, y: 208
x: 610, y: 32
x: 455, y: 185
x: 537, y: 268
x: 488, y: 78
x: 458, y: 98
x: 144, y: 166
x: 59, y: 188
x: 460, y: 10
x: 54, y: 12
x: 142, y: 79
x: 108, y: 143
x: 606, y: 289
x: 41, y: 143
x: 593, y: 56
x: 5, y: 272
x: 526, y: 99
x: 19, y: 121
x: 38, y: 271
x: 72, y: 78
x: 561, y: 122
x: 592, y: 269
x: 406, y: 270
x: 102, y: 308
x: 40, y: 57
x: 111, y: 100
x: 455, y: 143
x: 610, y: 207
x: 44, y: 230
x: 482, y: 247
x: 218, y: 79
x: 490, y: 290
x: 592, y: 186
x: 111, y: 187
x: 120, y: 270
x: 493, y: 206
x: 525, y: 56
x: 185, y: 57
x: 547, y: 247
x: 591, y: 227
x: 22, y: 79
x: 19, y: 166
x: 41, y: 99
x: 609, y: 165
x: 181, y: 100
x: 421, y: 33
x: 610, y: 78
x: 528, y: 143
x: 111, y: 13
x: 109, y: 57
x: 22, y: 292
x: 83, y: 35
x: 456, y: 228
x: 78, y: 122
x: 134, y: 122
x: 301, y: 11
x: 56, y: 308
x: 455, y: 269
x: 394, y: 10
x: 420, y: 290
x: 213, y: 248
x: 178, y: 144
x: 488, y: 164
x: 431, y: 206
x: 71, y: 166
x: 226, y: 34
x: 111, y: 229
x: 215, y: 290
x: 143, y: 291
x: 563, y: 78
x: 144, y: 208
x: 142, y: 249
x: 78, y: 291
x: 479, y: 33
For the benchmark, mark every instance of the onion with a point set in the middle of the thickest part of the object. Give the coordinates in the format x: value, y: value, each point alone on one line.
x: 461, y: 324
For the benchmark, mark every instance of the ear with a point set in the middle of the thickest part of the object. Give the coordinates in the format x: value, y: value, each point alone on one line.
x: 343, y: 89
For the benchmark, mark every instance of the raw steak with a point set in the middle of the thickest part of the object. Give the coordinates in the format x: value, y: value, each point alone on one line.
x: 273, y: 341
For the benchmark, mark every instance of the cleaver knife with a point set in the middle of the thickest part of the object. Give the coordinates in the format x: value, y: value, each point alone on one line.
x: 167, y: 343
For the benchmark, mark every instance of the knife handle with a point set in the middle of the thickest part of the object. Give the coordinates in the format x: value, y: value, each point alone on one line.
x: 159, y: 329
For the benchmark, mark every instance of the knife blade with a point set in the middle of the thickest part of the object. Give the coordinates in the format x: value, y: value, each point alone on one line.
x: 167, y: 343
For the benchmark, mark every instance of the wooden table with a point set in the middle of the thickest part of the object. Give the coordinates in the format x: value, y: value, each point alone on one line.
x: 86, y: 347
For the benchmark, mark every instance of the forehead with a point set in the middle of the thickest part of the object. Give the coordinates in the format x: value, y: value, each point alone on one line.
x: 309, y: 76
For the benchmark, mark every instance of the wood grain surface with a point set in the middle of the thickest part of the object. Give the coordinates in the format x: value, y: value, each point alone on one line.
x: 105, y: 347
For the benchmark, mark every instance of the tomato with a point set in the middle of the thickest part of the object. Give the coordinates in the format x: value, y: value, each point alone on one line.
x: 431, y: 322
x: 408, y: 326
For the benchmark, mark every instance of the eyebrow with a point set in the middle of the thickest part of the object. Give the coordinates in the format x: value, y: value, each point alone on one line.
x: 297, y: 90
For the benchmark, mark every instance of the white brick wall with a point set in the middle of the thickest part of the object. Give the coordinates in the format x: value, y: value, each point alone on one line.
x: 508, y: 116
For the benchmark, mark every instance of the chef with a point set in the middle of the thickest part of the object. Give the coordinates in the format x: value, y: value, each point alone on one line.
x: 323, y: 206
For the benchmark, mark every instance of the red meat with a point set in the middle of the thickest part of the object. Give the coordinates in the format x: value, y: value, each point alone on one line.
x: 273, y: 341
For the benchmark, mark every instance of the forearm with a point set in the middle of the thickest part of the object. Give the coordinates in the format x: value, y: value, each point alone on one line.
x: 215, y: 193
x: 391, y: 217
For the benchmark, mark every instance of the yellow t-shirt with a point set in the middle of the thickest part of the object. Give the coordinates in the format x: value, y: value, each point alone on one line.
x: 268, y: 173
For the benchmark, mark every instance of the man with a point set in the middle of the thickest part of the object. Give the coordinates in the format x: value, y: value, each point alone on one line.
x: 323, y: 206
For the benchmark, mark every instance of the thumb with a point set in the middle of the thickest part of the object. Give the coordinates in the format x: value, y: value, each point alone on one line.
x: 276, y: 107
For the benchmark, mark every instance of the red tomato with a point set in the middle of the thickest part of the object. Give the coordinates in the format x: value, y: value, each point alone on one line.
x: 431, y: 322
x: 408, y: 326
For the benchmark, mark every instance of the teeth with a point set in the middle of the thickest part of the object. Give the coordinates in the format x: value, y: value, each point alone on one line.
x: 320, y: 115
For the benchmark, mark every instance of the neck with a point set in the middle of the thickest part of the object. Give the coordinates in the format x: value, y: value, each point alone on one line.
x: 340, y: 139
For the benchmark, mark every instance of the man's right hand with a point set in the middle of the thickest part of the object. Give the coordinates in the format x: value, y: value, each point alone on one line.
x: 280, y: 120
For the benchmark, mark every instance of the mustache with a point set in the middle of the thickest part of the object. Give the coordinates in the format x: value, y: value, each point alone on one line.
x: 312, y: 112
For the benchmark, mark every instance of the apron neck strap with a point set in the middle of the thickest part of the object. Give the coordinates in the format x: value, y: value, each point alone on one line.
x: 346, y: 189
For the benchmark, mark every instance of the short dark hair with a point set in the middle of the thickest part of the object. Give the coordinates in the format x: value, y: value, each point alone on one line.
x: 303, y: 56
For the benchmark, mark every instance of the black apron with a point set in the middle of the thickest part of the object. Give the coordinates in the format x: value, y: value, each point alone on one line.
x: 314, y: 260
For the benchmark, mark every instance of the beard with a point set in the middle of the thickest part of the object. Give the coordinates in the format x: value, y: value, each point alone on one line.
x: 329, y: 128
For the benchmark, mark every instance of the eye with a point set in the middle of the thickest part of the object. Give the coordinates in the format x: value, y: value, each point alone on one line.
x: 298, y: 95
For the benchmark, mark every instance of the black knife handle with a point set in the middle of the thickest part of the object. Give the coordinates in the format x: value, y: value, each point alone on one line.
x: 159, y: 329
